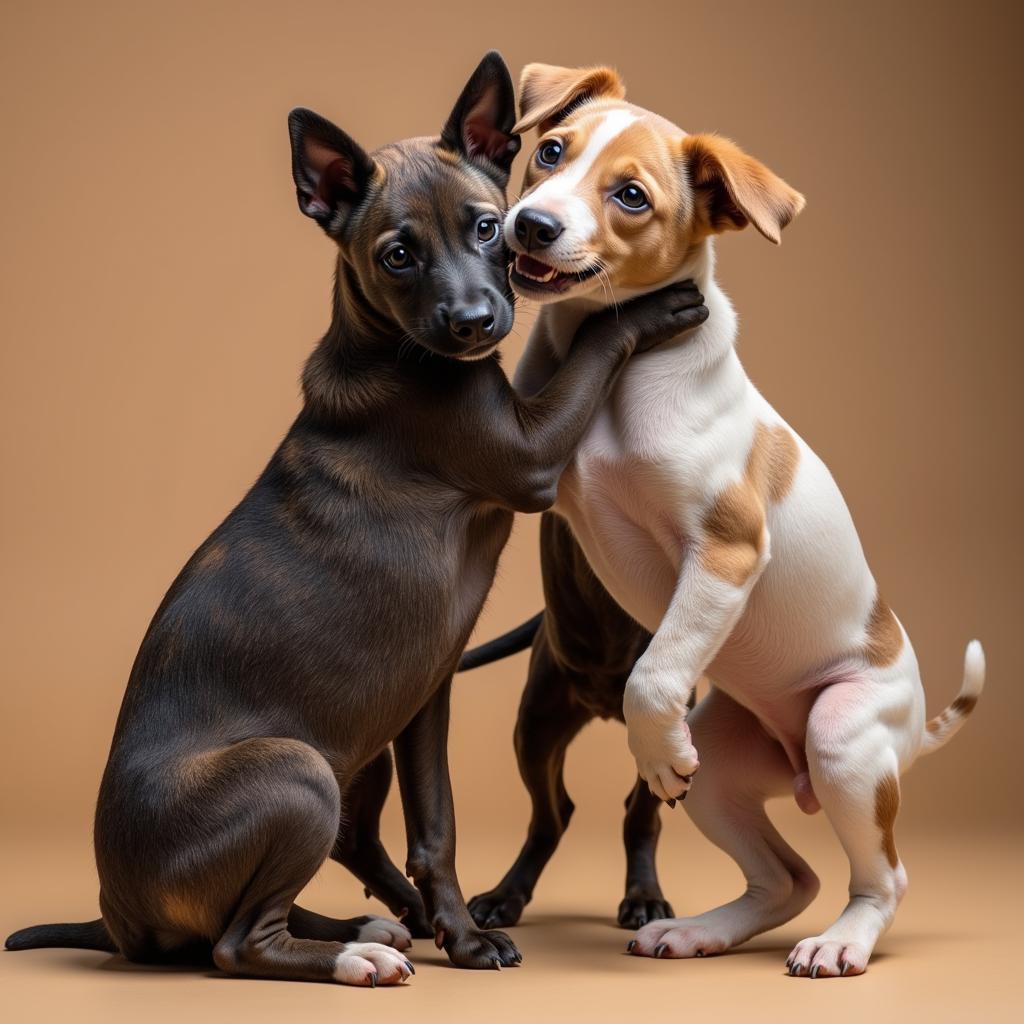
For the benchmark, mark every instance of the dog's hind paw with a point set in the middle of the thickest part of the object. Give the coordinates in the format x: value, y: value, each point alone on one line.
x: 636, y: 911
x: 370, y: 964
x: 820, y: 957
x: 386, y: 932
x: 678, y: 938
x: 499, y: 908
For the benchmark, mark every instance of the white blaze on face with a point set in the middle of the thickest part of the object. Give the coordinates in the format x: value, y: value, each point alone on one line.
x: 557, y: 194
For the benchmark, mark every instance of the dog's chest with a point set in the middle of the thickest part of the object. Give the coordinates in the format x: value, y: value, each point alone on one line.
x: 641, y: 459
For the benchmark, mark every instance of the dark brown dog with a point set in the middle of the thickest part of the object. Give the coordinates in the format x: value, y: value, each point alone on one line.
x: 323, y: 619
x: 584, y: 647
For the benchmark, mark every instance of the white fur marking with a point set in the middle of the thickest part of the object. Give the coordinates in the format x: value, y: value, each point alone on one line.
x: 559, y: 190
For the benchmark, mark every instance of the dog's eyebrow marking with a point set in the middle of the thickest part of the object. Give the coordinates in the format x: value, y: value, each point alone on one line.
x: 562, y: 184
x: 614, y: 123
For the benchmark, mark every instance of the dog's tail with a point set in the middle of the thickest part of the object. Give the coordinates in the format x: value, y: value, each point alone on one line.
x: 944, y: 726
x: 88, y: 935
x: 512, y: 642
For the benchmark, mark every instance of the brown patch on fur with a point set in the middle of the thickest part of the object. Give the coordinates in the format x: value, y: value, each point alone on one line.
x: 772, y: 462
x: 212, y: 557
x: 188, y: 914
x: 735, y: 523
x: 884, y: 637
x: 546, y: 92
x: 735, y: 534
x: 887, y: 804
x: 963, y: 705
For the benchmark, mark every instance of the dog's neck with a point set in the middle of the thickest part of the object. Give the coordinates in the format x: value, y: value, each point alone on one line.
x: 704, y: 346
x: 355, y: 365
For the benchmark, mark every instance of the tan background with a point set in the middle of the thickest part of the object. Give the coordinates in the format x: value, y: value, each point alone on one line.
x: 159, y: 292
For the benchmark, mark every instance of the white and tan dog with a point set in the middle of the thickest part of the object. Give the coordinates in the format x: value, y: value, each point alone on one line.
x: 718, y: 529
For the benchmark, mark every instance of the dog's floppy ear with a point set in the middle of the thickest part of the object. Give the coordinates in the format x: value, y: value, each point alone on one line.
x: 547, y: 93
x: 331, y: 171
x: 733, y: 189
x: 480, y: 125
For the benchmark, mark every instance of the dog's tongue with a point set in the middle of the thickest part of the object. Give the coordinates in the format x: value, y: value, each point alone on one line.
x: 531, y: 266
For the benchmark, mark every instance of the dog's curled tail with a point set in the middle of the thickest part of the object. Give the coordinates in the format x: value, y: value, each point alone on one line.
x: 944, y: 726
x: 88, y: 935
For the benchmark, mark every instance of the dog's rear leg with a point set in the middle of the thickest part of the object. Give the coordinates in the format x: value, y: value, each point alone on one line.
x: 358, y: 847
x: 272, y: 809
x: 855, y: 773
x: 740, y: 766
x: 549, y: 718
x: 640, y: 830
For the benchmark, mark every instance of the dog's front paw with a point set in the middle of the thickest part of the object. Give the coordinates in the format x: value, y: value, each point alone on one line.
x: 499, y: 908
x: 666, y: 759
x: 479, y: 950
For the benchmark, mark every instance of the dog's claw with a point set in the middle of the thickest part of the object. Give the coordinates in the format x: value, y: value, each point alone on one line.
x: 845, y: 968
x: 496, y: 962
x: 671, y: 803
x: 659, y: 949
x: 631, y: 945
x: 815, y: 970
x: 683, y: 797
x: 373, y: 980
x: 367, y: 893
x: 700, y: 952
x: 408, y: 963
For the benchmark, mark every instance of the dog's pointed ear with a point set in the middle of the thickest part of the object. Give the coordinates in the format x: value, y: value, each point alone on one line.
x: 548, y: 93
x: 733, y: 189
x: 331, y: 171
x: 480, y: 124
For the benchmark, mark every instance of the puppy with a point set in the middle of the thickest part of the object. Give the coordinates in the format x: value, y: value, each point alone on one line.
x: 323, y: 618
x: 718, y: 530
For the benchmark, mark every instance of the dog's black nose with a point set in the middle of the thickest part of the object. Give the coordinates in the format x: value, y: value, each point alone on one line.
x: 472, y: 324
x: 536, y: 229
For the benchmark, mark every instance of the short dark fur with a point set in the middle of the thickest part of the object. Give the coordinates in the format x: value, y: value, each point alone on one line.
x: 584, y: 648
x: 323, y: 619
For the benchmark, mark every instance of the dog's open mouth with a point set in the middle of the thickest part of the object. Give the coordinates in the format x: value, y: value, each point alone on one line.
x: 530, y: 274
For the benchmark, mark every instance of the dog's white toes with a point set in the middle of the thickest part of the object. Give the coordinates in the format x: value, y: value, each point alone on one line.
x: 386, y: 931
x: 369, y: 964
x: 820, y: 957
x: 677, y: 939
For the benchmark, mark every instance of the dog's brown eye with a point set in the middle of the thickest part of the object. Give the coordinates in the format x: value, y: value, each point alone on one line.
x: 487, y: 230
x: 549, y: 153
x: 632, y: 197
x: 398, y: 258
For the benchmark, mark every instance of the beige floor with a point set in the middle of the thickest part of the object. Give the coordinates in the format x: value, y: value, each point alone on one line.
x: 951, y: 956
